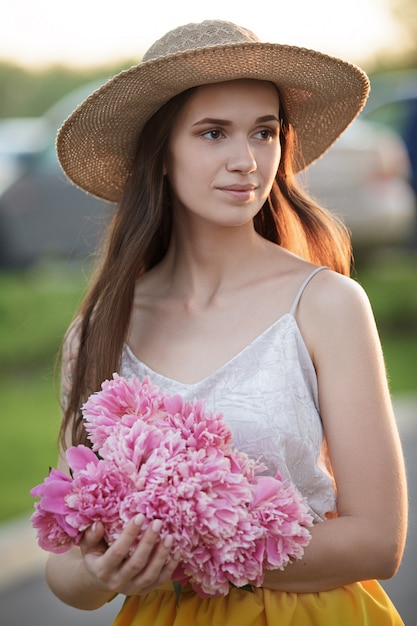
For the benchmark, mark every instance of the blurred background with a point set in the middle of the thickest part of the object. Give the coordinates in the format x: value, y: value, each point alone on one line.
x: 52, y: 55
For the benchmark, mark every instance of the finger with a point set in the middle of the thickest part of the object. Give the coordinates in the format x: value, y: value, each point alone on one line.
x: 92, y: 540
x: 149, y: 546
x: 119, y: 551
x: 164, y: 575
x: 105, y: 564
x: 151, y: 556
x: 95, y: 532
x: 160, y: 568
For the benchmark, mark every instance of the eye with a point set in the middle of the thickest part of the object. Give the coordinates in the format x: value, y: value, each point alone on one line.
x: 213, y: 134
x: 266, y: 133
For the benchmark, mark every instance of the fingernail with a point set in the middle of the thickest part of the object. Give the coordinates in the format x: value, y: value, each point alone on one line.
x: 156, y: 525
x: 94, y: 527
x: 168, y: 541
x: 139, y: 519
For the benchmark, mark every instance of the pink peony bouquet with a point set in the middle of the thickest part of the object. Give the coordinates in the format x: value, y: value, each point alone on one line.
x: 172, y: 460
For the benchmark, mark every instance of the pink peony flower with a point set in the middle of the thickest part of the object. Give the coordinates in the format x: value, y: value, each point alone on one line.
x: 50, y: 519
x: 172, y: 460
x: 54, y: 535
x: 96, y: 495
x: 281, y: 510
x: 121, y: 400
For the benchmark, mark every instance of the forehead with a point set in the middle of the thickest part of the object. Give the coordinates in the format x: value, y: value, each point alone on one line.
x: 246, y: 94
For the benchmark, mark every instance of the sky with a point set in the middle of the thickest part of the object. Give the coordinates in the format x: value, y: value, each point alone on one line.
x: 92, y: 32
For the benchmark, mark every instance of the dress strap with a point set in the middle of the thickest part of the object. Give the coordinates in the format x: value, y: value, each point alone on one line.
x: 304, y: 285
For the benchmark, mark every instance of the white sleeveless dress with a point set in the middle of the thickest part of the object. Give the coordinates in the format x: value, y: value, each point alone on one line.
x: 268, y: 396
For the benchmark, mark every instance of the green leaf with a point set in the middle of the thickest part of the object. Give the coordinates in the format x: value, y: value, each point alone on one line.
x: 178, y: 590
x: 244, y: 587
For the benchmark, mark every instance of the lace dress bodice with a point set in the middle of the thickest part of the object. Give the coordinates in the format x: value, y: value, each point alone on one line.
x: 269, y: 399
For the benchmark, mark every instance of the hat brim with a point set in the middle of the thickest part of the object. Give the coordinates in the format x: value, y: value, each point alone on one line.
x: 322, y: 96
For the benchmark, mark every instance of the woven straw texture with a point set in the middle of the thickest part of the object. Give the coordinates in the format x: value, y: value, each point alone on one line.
x: 322, y: 95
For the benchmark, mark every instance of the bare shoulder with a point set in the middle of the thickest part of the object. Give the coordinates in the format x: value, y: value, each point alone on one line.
x: 334, y: 308
x: 329, y: 294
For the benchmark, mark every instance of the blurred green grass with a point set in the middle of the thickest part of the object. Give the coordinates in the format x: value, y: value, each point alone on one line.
x: 35, y: 310
x: 391, y: 284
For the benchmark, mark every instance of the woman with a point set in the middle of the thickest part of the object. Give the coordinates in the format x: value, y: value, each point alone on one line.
x: 221, y: 280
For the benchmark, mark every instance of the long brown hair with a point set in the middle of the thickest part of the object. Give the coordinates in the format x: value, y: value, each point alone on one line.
x: 138, y: 238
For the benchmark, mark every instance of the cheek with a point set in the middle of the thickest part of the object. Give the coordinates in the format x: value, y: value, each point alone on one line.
x: 271, y: 164
x: 188, y: 170
x: 185, y: 179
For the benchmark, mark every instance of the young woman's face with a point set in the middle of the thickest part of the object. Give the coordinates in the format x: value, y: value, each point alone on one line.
x: 224, y: 151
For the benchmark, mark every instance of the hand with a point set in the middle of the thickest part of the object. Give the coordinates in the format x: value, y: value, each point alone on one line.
x: 112, y: 569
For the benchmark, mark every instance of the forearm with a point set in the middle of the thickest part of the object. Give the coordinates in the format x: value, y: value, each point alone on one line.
x: 69, y: 581
x: 341, y: 551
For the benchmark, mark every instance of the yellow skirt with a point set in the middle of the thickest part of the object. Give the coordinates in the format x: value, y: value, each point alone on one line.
x: 359, y: 604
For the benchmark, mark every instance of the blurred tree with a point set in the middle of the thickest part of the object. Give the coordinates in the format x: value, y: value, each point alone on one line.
x: 405, y: 13
x: 28, y: 92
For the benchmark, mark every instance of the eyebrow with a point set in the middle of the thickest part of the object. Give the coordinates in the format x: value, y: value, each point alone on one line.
x: 219, y: 122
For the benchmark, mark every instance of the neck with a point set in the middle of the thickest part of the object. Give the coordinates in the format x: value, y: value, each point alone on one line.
x: 201, y: 265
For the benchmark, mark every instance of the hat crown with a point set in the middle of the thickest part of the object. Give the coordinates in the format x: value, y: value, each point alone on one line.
x: 196, y: 36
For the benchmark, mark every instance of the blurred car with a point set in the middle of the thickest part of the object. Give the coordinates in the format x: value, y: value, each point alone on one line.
x: 42, y: 215
x: 20, y: 136
x: 393, y: 104
x: 20, y: 140
x: 364, y: 177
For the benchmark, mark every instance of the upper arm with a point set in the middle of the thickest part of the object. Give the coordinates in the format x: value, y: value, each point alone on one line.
x: 355, y: 403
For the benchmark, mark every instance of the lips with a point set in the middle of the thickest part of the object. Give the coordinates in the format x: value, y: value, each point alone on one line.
x: 238, y: 188
x: 241, y: 193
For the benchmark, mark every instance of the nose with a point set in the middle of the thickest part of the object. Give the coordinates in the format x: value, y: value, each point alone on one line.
x: 241, y: 158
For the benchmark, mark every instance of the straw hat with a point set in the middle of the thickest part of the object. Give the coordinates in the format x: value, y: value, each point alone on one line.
x: 321, y: 94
